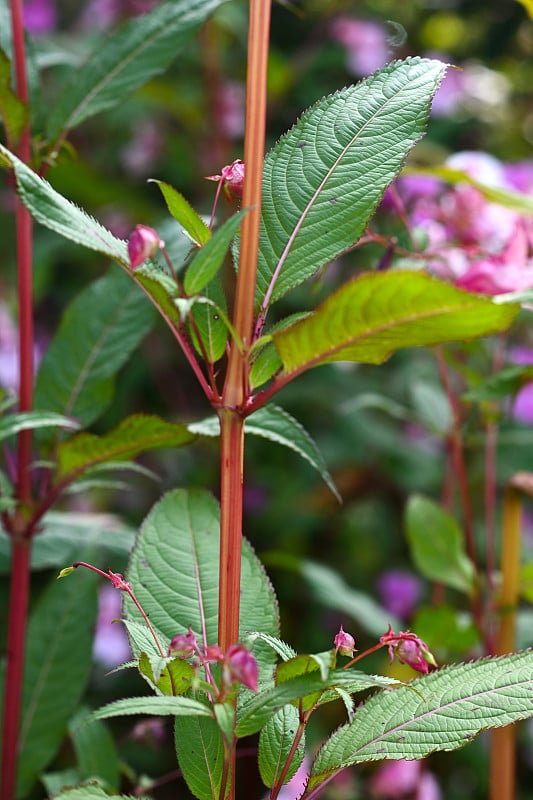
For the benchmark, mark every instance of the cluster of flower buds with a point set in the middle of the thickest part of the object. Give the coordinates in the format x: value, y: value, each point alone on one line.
x: 238, y: 664
x: 231, y: 179
x: 409, y: 649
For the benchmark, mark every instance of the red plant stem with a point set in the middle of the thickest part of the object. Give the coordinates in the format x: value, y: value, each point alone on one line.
x: 275, y: 790
x: 20, y: 542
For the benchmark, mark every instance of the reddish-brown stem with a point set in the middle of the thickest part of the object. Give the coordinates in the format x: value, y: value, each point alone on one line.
x: 20, y: 542
x: 275, y: 790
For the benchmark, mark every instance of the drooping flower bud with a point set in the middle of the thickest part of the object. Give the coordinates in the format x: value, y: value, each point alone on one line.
x: 409, y: 649
x: 344, y: 643
x: 142, y: 244
x: 183, y: 645
x: 242, y: 666
x: 231, y: 178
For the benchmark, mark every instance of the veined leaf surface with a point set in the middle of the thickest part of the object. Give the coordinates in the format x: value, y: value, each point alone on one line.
x: 374, y: 315
x: 323, y: 180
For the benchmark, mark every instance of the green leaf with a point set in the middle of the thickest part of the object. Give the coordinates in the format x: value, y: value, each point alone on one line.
x: 254, y: 713
x: 272, y: 422
x: 88, y: 791
x: 275, y: 743
x: 171, y: 676
x: 507, y: 381
x: 184, y: 213
x: 437, y: 545
x: 162, y: 288
x: 448, y: 708
x: 96, y: 754
x: 58, y: 664
x: 303, y: 665
x: 64, y: 535
x: 323, y: 180
x: 280, y: 647
x: 135, y: 434
x: 97, y: 334
x: 177, y: 556
x: 210, y: 323
x: 371, y: 317
x: 208, y: 260
x: 54, y: 211
x: 265, y: 365
x: 14, y: 423
x: 159, y: 705
x: 124, y: 61
x: 13, y: 112
x: 200, y: 752
x: 446, y: 630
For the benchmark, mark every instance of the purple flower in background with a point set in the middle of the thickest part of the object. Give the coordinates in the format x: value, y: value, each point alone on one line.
x: 365, y: 42
x: 40, y: 16
x: 402, y: 778
x: 296, y: 785
x: 142, y: 151
x: 523, y: 404
x: 9, y: 351
x: 110, y: 646
x: 399, y: 592
x: 230, y: 109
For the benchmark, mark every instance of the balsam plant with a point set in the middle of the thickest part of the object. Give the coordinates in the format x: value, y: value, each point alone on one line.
x: 200, y: 612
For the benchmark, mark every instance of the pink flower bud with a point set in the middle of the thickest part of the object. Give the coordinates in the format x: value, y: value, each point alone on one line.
x: 344, y: 643
x: 142, y: 244
x: 184, y: 645
x: 232, y: 178
x: 409, y: 649
x: 242, y: 666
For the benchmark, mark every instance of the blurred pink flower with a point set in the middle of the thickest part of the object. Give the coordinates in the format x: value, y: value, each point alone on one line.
x: 296, y: 785
x: 523, y: 404
x: 9, y: 351
x: 144, y: 148
x: 40, y: 16
x: 365, y: 42
x: 396, y: 780
x: 110, y: 646
x: 399, y: 592
x: 230, y: 109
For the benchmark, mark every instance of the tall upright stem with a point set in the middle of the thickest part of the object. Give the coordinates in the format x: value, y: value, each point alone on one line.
x: 20, y: 543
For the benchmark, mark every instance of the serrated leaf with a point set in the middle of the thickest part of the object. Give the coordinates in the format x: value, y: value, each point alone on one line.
x: 14, y: 423
x: 275, y: 743
x: 142, y: 641
x: 254, y: 713
x: 265, y: 365
x: 200, y: 752
x: 303, y: 665
x: 177, y: 552
x: 64, y: 535
x: 437, y: 545
x: 280, y: 647
x: 184, y: 213
x: 209, y: 258
x: 135, y: 434
x: 158, y: 705
x: 124, y: 61
x: 272, y: 422
x: 54, y: 211
x: 88, y: 791
x: 98, y: 332
x: 162, y: 288
x: 171, y: 676
x: 13, y: 111
x: 323, y: 180
x: 58, y: 664
x: 210, y: 323
x: 447, y: 710
x: 374, y: 315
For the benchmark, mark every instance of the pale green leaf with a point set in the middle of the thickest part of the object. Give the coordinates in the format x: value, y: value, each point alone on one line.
x: 200, y: 752
x: 437, y: 545
x: 280, y: 647
x: 447, y: 710
x: 209, y: 258
x: 124, y: 61
x: 135, y: 434
x: 374, y: 315
x: 158, y: 705
x: 184, y: 213
x: 323, y: 180
x: 14, y: 423
x: 275, y: 742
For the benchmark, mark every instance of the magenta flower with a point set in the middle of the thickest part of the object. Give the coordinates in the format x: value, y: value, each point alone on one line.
x: 399, y: 592
x: 241, y: 666
x: 231, y: 179
x: 344, y: 643
x: 409, y: 649
x: 184, y: 645
x: 143, y: 244
x: 40, y: 16
x: 110, y: 646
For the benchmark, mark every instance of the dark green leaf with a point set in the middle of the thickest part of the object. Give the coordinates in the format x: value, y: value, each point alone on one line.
x: 13, y: 112
x: 209, y: 258
x: 134, y: 435
x: 275, y: 742
x: 507, y: 381
x: 437, y: 545
x: 371, y: 317
x: 160, y: 705
x: 323, y: 180
x: 97, y: 335
x: 200, y: 751
x: 96, y: 754
x: 124, y: 61
x: 14, y: 423
x: 209, y: 322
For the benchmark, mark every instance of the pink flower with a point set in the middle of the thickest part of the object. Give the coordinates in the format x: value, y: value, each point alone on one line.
x: 409, y: 649
x: 344, y: 643
x: 40, y: 16
x: 231, y: 178
x: 395, y: 779
x: 111, y: 646
x: 400, y: 592
x: 183, y: 645
x: 242, y: 666
x: 142, y: 244
x: 365, y: 42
